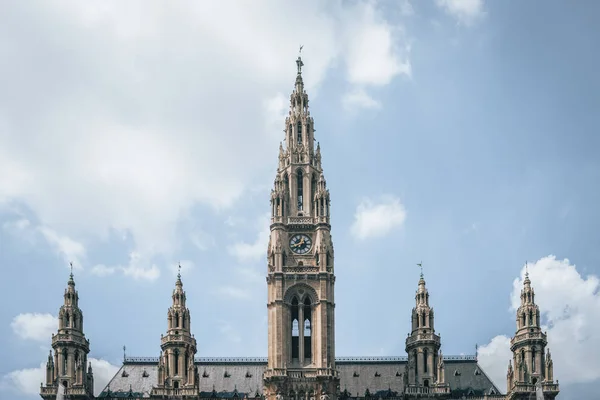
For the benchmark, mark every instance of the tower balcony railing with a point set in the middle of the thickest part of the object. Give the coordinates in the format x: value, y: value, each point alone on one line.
x: 184, y: 339
x: 304, y: 220
x: 67, y: 337
x: 422, y: 336
x: 427, y: 390
x: 52, y: 390
x: 520, y: 387
x: 300, y: 220
x: 191, y: 391
x: 274, y: 373
x: 528, y: 335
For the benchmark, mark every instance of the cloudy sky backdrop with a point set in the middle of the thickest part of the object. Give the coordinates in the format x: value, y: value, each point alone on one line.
x: 134, y: 135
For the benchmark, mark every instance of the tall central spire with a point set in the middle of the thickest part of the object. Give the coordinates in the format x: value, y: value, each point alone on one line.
x: 300, y: 277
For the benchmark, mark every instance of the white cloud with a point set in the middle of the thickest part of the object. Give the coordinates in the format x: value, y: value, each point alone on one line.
x: 493, y: 358
x: 70, y: 250
x: 358, y: 98
x: 139, y: 268
x: 250, y: 252
x: 27, y: 381
x: 130, y: 128
x: 570, y: 306
x: 465, y: 11
x: 374, y: 56
x: 202, y: 240
x: 373, y: 219
x: 34, y: 326
x: 103, y: 270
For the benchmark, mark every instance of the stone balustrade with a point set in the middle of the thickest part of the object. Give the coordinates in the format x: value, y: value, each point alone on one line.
x: 427, y: 390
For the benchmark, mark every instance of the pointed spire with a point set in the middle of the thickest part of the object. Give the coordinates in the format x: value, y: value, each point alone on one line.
x: 526, y: 282
x: 71, y: 281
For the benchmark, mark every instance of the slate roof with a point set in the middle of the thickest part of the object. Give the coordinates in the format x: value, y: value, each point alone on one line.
x: 357, y: 374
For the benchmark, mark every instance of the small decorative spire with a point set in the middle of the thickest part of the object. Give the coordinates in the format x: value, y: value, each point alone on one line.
x: 179, y: 270
x: 124, y: 353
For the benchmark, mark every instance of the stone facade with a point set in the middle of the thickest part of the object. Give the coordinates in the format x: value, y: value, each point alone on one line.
x: 301, y: 363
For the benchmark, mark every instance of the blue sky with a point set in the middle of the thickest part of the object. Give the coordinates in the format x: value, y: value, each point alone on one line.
x: 458, y: 133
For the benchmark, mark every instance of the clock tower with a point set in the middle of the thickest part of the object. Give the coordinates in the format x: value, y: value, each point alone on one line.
x: 300, y: 276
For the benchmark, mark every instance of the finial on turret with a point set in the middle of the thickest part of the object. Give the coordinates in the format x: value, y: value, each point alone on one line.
x: 71, y: 274
x: 179, y: 270
x: 124, y: 353
x: 299, y: 62
x: 526, y: 270
x: 420, y: 265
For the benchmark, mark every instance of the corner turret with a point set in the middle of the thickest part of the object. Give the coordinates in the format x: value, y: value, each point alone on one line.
x: 71, y: 348
x: 532, y: 368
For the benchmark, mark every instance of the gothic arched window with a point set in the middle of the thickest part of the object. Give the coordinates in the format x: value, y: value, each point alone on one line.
x: 295, y: 329
x: 425, y: 360
x: 530, y: 317
x: 522, y: 319
x: 300, y: 189
x: 307, y: 316
x: 67, y: 320
x: 176, y: 362
x: 533, y: 360
x: 176, y: 320
x: 299, y: 132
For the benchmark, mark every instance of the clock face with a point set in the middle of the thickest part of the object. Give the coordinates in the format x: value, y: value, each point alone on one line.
x: 300, y: 244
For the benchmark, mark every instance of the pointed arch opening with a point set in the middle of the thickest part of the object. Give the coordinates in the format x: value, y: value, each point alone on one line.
x: 176, y: 367
x: 533, y: 356
x: 176, y: 319
x: 523, y: 320
x: 299, y: 132
x: 530, y: 317
x: 300, y: 188
x: 307, y: 317
x: 64, y: 361
x: 295, y: 329
x: 425, y: 360
x: 67, y: 320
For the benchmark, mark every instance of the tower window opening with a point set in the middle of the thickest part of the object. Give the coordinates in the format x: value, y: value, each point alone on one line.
x: 300, y: 190
x: 176, y: 320
x: 307, y: 315
x: 533, y: 360
x: 426, y: 382
x: 523, y: 319
x: 176, y: 385
x: 299, y: 132
x: 530, y: 317
x: 423, y: 320
x: 176, y: 362
x: 64, y: 362
x: 322, y: 208
x: 327, y: 259
x: 295, y: 330
x: 313, y: 190
x: 425, y: 361
x: 67, y: 320
x: 183, y: 321
x: 415, y: 355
